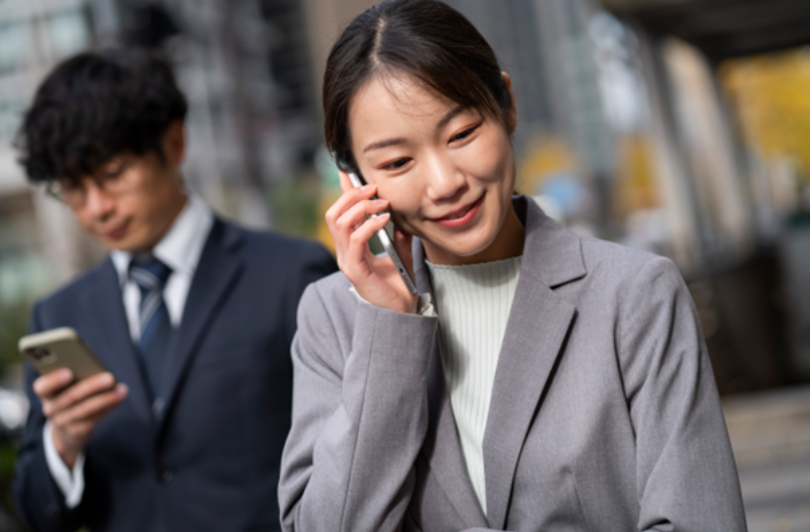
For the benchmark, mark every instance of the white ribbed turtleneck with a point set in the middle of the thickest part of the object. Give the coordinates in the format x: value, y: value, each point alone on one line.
x: 473, y: 303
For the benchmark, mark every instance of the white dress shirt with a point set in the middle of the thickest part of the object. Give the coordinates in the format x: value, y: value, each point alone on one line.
x: 180, y: 249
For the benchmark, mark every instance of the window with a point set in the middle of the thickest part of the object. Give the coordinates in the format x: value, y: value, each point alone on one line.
x: 68, y: 33
x: 12, y: 46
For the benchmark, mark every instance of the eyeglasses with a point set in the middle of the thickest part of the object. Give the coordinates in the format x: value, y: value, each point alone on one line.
x: 111, y: 182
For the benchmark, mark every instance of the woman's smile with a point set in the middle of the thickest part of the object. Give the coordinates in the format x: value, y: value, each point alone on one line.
x: 461, y: 217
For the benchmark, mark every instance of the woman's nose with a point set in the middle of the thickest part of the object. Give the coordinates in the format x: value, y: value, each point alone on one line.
x: 445, y: 181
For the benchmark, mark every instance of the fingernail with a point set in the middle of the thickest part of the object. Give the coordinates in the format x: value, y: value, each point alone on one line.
x: 122, y: 389
x: 107, y: 379
x: 384, y: 215
x: 380, y: 202
x: 367, y: 188
x: 65, y: 376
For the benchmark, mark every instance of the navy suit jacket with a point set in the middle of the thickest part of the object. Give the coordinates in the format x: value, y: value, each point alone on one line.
x: 209, y: 460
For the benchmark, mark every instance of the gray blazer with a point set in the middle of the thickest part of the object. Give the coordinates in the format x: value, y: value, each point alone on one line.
x: 604, y: 412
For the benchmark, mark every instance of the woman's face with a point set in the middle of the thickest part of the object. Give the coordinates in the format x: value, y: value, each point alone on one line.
x: 448, y: 172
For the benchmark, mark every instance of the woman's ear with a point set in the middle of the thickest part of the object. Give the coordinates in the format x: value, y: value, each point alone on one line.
x: 510, y: 113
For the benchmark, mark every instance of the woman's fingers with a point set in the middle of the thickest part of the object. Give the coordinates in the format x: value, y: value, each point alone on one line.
x: 347, y: 199
x: 356, y: 215
x: 350, y: 220
x: 358, y: 245
x: 345, y: 182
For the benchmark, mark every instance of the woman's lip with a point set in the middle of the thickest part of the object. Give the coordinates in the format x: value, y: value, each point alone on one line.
x: 453, y: 223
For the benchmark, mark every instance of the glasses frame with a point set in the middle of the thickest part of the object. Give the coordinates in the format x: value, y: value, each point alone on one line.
x: 103, y: 182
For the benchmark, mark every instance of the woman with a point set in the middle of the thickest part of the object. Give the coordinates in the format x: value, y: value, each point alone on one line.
x: 541, y: 381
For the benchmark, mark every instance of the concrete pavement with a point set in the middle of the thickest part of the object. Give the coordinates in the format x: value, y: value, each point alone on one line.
x: 770, y: 434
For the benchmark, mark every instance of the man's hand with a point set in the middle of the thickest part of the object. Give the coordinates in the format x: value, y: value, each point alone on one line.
x: 74, y: 409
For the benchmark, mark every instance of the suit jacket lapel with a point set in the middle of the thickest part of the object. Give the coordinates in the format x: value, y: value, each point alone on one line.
x: 539, y: 322
x: 442, y: 447
x: 108, y: 328
x: 217, y: 271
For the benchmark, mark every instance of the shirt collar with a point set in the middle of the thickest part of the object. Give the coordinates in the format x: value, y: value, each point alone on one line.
x: 181, y: 247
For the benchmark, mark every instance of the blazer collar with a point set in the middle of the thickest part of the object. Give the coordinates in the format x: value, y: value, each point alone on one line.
x: 551, y: 252
x: 538, y: 325
x: 108, y: 334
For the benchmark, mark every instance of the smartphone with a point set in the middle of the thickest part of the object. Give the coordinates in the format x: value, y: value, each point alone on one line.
x: 60, y: 348
x: 386, y: 240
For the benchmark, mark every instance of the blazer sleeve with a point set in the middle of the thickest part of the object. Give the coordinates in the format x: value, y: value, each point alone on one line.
x: 686, y: 478
x: 314, y: 264
x: 39, y: 500
x: 359, y: 418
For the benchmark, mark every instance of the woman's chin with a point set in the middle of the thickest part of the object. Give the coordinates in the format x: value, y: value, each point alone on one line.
x: 456, y: 251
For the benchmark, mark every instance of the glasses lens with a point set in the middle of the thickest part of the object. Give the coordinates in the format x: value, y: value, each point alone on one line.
x: 67, y: 192
x: 113, y: 183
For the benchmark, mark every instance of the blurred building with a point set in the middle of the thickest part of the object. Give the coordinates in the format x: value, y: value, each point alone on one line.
x: 38, y: 240
x: 245, y: 67
x: 749, y: 264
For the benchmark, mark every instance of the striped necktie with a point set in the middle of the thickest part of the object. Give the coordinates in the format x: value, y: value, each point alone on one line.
x: 150, y: 274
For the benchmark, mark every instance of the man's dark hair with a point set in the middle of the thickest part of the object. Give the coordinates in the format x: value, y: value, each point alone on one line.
x: 95, y: 106
x: 425, y: 39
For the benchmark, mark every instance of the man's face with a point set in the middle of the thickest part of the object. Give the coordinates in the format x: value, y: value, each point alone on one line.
x: 132, y: 200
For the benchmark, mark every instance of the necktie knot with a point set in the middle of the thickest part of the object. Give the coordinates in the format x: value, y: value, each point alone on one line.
x: 149, y: 273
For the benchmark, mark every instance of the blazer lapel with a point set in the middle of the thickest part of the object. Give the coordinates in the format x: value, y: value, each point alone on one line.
x: 108, y: 328
x: 539, y: 322
x: 442, y: 447
x: 217, y: 271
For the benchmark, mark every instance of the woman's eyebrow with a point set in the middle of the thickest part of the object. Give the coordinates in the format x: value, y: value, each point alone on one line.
x: 449, y: 116
x: 383, y: 144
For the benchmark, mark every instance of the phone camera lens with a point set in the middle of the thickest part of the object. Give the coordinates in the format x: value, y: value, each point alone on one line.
x: 39, y: 353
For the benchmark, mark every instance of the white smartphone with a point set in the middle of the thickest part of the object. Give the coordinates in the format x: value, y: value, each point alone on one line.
x: 60, y: 348
x: 386, y: 241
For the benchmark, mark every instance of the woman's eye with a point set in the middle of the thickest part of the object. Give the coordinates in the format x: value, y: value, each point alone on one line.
x: 464, y: 134
x: 396, y: 165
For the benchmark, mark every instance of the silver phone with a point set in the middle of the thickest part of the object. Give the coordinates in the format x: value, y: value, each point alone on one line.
x: 60, y: 348
x: 387, y: 242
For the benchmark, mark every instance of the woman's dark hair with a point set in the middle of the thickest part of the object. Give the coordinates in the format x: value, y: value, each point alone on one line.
x: 425, y: 39
x: 95, y: 106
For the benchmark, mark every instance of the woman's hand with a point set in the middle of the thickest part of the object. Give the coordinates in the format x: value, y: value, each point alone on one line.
x: 376, y: 279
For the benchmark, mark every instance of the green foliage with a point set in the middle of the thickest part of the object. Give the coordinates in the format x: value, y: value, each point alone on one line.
x: 13, y: 325
x: 773, y: 101
x: 295, y: 207
x: 8, y: 515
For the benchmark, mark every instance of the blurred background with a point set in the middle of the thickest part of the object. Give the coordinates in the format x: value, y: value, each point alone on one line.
x: 678, y: 126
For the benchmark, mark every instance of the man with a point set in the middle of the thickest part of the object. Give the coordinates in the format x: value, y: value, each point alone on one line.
x: 192, y: 315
